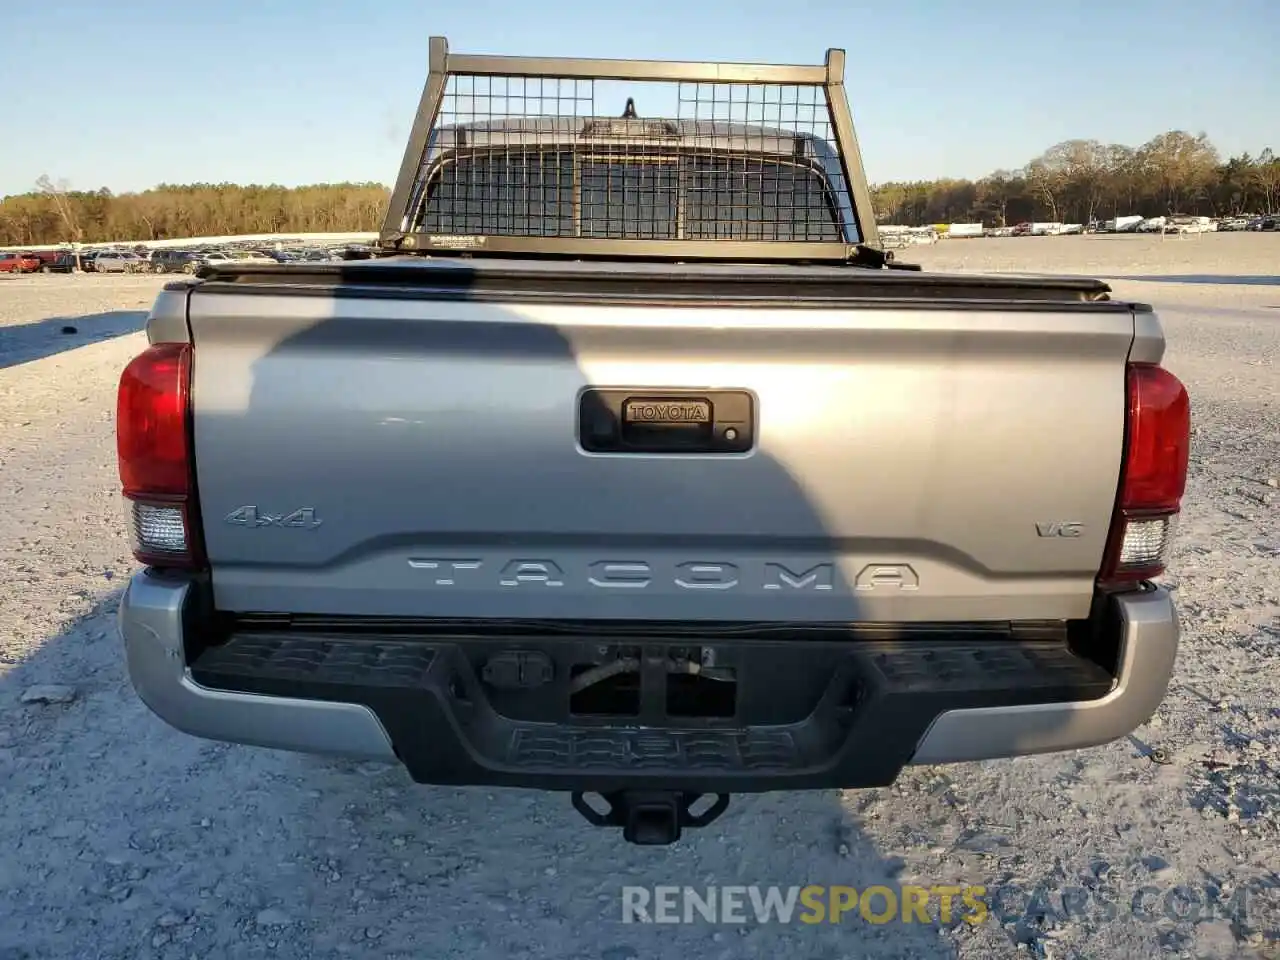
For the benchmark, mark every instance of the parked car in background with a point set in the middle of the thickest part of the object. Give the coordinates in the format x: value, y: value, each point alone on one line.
x: 308, y: 255
x: 54, y: 261
x: 212, y: 256
x: 230, y: 257
x: 250, y: 256
x: 64, y: 262
x: 18, y: 263
x: 175, y: 261
x: 115, y: 261
x: 1180, y: 223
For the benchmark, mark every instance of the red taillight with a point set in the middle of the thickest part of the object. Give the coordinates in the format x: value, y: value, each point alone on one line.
x: 1159, y: 440
x: 151, y: 422
x: 1153, y: 476
x: 153, y: 450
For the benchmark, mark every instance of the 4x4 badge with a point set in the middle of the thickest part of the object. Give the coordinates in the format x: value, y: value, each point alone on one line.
x: 304, y: 518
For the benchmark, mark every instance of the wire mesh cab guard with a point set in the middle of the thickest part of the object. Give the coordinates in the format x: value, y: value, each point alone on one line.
x: 631, y: 158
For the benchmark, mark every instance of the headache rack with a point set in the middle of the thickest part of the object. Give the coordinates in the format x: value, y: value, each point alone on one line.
x: 632, y: 158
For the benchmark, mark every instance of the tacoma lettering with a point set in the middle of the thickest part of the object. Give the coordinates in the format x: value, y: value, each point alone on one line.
x: 887, y: 576
x: 701, y: 575
x: 818, y: 577
x: 545, y: 572
x: 640, y: 574
x: 620, y: 574
x: 446, y: 570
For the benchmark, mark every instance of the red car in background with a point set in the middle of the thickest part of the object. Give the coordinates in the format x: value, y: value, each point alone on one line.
x: 53, y: 261
x: 18, y: 263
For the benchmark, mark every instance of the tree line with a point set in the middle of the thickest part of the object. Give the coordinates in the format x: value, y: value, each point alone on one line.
x: 1078, y: 181
x: 1074, y: 182
x: 55, y: 214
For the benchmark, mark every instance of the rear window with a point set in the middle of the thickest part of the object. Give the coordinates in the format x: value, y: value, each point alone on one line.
x: 661, y: 197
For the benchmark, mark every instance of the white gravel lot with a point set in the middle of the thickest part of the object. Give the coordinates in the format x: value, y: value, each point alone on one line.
x: 122, y: 838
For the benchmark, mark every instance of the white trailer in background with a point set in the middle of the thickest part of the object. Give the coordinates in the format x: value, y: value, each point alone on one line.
x: 1127, y: 224
x: 962, y: 230
x: 1046, y: 229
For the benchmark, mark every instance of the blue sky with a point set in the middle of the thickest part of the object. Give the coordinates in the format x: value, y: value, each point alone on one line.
x: 125, y: 95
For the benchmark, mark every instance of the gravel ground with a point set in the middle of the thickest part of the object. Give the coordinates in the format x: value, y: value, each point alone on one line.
x: 123, y: 838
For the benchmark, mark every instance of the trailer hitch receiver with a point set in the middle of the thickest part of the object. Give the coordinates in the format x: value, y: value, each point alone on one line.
x: 651, y: 817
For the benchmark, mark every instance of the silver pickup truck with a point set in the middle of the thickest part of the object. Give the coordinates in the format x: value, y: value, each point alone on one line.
x: 630, y: 465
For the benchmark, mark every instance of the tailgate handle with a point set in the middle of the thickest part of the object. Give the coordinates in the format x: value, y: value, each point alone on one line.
x: 667, y: 423
x: 684, y: 421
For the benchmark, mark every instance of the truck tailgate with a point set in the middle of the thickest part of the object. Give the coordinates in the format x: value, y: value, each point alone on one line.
x: 402, y: 453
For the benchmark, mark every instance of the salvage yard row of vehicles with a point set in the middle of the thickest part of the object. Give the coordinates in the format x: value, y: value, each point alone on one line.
x: 45, y: 261
x: 168, y: 261
x: 1170, y: 224
x: 896, y: 236
x: 189, y: 261
x: 899, y: 236
x: 154, y: 261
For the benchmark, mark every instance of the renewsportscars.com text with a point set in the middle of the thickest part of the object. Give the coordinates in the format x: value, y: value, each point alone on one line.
x: 940, y: 903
